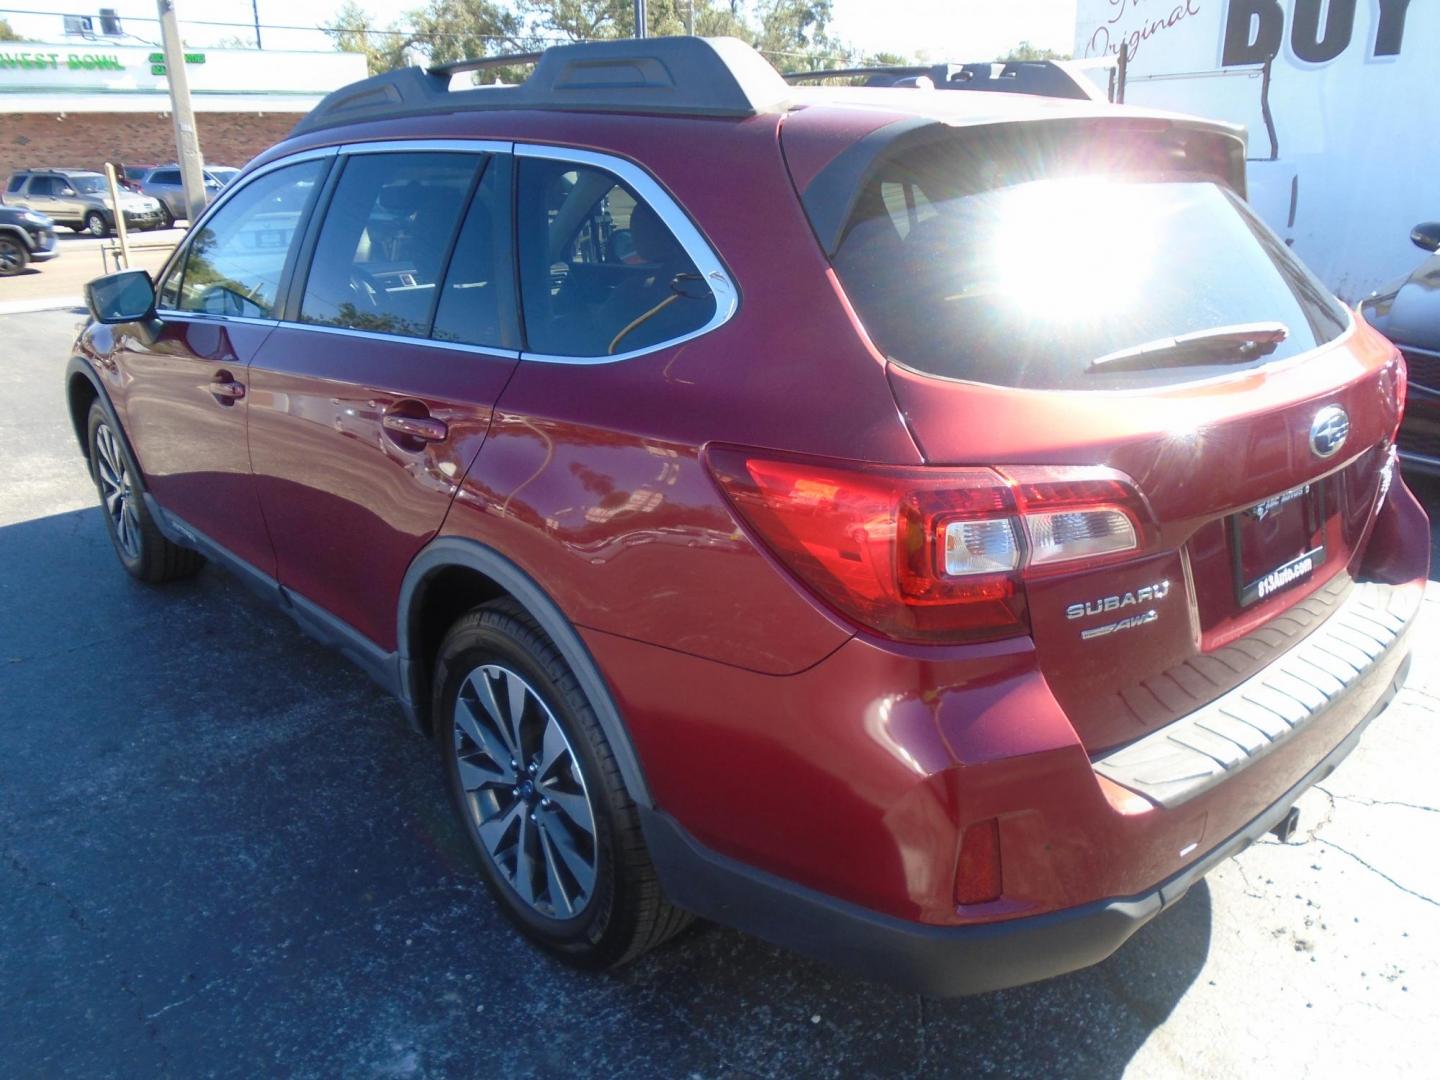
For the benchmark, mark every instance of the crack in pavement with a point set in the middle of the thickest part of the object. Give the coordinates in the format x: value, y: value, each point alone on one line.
x: 1311, y: 831
x: 151, y: 1028
x: 1360, y: 800
x: 28, y: 874
x: 1249, y: 889
x: 1379, y: 872
x: 183, y: 1001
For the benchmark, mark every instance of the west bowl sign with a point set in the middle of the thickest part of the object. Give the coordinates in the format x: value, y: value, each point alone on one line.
x: 1330, y: 91
x: 63, y: 69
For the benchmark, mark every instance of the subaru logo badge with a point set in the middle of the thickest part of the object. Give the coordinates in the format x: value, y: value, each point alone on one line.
x: 1328, y: 431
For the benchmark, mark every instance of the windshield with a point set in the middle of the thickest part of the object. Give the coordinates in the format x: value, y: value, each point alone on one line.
x: 1002, y: 262
x: 88, y: 185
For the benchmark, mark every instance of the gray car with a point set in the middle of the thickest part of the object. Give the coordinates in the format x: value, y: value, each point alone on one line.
x: 164, y: 184
x: 80, y: 200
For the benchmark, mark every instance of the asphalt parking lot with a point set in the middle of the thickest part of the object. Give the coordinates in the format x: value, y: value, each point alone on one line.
x: 221, y: 854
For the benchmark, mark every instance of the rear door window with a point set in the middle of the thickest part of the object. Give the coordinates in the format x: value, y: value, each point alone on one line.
x: 1012, y: 261
x: 600, y: 272
x: 16, y: 183
x: 385, y: 241
x: 165, y: 176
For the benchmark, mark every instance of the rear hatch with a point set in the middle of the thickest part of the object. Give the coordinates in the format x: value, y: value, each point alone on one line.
x: 1096, y: 293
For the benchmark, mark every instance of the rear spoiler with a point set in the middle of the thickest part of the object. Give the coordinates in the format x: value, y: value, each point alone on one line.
x: 1205, y: 147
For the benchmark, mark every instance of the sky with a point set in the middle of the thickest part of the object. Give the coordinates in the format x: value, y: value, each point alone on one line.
x: 933, y: 29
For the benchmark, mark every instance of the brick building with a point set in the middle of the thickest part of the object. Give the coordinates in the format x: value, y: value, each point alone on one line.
x: 78, y: 106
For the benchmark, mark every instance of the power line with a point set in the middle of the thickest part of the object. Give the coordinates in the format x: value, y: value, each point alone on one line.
x: 414, y: 35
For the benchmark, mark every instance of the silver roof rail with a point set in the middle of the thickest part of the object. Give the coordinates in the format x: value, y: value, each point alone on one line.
x: 688, y: 76
x: 482, y: 63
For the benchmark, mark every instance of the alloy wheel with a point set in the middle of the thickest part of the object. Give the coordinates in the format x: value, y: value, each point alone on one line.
x: 11, y: 259
x: 117, y: 491
x: 95, y: 224
x: 522, y: 785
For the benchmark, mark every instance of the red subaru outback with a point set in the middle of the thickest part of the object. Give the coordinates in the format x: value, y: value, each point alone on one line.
x: 929, y: 530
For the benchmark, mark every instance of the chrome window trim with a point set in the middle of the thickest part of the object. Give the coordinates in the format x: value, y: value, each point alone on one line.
x: 727, y: 299
x: 454, y: 346
x: 424, y: 146
x: 210, y: 316
x: 722, y: 286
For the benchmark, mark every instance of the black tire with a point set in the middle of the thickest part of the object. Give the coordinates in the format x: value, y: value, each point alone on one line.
x: 96, y: 224
x: 167, y: 219
x: 626, y: 914
x: 14, y: 256
x: 143, y: 549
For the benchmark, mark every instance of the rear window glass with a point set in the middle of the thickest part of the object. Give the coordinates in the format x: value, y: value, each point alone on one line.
x: 16, y: 183
x: 1003, y: 261
x: 600, y: 272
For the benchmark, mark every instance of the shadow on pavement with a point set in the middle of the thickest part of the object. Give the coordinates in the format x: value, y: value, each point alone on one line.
x: 222, y: 853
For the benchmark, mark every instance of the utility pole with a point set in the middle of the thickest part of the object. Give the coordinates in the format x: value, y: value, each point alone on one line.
x: 690, y: 17
x: 255, y: 11
x: 187, y: 143
x: 640, y: 19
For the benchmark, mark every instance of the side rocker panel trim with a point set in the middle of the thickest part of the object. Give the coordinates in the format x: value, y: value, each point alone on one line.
x: 324, y: 627
x: 452, y: 551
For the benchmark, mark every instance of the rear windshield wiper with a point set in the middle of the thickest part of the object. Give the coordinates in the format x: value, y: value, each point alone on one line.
x: 1219, y: 345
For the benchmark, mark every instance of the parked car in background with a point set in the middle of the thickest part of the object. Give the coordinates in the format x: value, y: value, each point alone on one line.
x: 80, y: 199
x: 165, y: 184
x: 1408, y: 313
x: 25, y: 237
x: 783, y: 505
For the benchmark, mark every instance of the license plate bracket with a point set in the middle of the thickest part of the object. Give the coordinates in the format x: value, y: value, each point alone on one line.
x: 1278, y: 542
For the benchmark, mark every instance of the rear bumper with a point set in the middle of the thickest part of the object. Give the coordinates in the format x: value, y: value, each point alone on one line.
x: 945, y: 961
x: 825, y: 809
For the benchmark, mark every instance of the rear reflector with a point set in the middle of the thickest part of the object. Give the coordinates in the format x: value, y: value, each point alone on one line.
x: 929, y: 554
x: 977, y: 876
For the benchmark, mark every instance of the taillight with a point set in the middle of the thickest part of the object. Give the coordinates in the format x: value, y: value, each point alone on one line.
x: 930, y: 554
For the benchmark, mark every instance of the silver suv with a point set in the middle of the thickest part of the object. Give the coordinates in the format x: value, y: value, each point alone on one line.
x: 81, y: 200
x: 164, y: 184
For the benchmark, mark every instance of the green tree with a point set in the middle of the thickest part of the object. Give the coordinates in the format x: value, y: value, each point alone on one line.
x: 1026, y: 51
x: 457, y: 29
x: 7, y: 33
x: 353, y: 30
x: 792, y: 34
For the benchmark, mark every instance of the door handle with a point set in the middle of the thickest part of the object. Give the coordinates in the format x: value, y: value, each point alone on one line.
x: 424, y: 428
x: 225, y: 389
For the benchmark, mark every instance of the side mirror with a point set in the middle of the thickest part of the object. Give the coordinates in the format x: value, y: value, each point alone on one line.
x: 128, y: 296
x: 1426, y: 235
x: 66, y: 192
